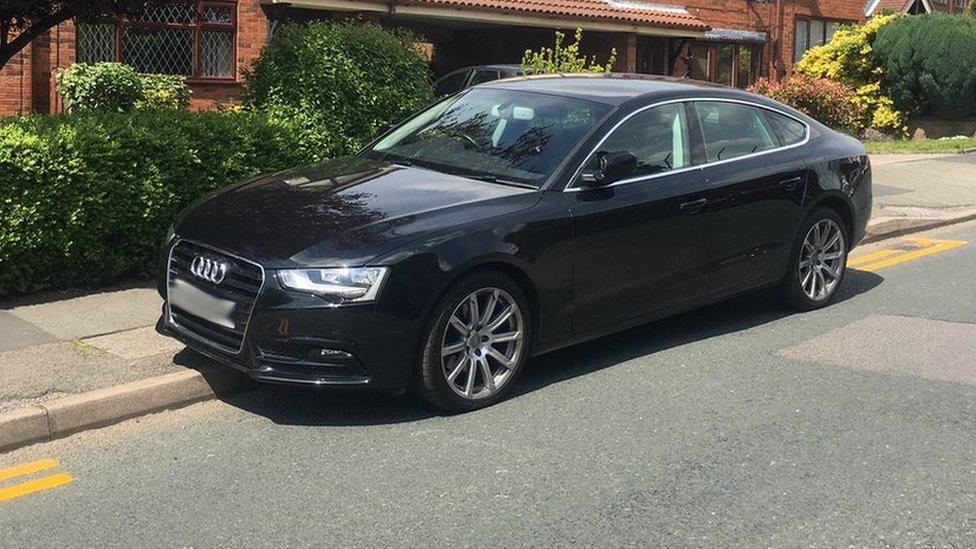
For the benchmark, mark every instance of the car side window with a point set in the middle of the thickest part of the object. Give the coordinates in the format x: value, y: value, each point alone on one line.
x: 789, y: 130
x: 451, y: 83
x: 731, y: 130
x: 484, y: 75
x: 658, y: 137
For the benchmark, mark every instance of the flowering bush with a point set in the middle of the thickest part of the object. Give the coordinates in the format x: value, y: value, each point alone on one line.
x: 849, y: 59
x: 828, y: 101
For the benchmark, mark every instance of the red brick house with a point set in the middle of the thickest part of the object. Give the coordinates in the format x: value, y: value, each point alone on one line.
x: 914, y: 7
x: 212, y: 41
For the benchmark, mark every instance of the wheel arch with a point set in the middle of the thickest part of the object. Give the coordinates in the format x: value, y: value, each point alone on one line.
x: 841, y: 207
x: 511, y: 269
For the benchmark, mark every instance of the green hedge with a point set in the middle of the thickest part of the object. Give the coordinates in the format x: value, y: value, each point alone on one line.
x: 118, y: 87
x: 929, y: 63
x: 336, y: 84
x: 86, y: 199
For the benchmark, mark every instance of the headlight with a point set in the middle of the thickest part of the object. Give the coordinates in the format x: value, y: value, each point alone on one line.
x: 343, y: 285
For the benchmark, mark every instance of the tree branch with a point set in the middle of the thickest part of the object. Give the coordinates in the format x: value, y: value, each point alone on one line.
x: 10, y: 49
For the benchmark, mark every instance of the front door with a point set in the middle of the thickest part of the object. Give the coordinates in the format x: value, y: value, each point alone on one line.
x: 641, y: 244
x: 756, y: 179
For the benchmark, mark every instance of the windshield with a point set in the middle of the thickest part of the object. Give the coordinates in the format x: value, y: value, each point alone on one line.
x: 497, y: 134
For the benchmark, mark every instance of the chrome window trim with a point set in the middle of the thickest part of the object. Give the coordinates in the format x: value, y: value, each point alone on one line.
x: 169, y: 314
x: 576, y: 174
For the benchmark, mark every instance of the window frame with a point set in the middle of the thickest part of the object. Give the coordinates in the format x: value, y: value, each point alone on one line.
x: 696, y: 141
x: 197, y: 27
x: 686, y: 137
x: 711, y: 61
x: 810, y: 19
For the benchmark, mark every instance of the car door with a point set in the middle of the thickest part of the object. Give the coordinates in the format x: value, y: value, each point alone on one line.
x: 756, y: 179
x: 640, y: 243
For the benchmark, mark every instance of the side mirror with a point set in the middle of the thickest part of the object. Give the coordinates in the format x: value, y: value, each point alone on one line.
x: 613, y: 166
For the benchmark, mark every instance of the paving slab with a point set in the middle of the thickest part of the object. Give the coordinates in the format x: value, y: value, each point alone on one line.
x: 16, y: 333
x: 41, y: 373
x: 93, y: 314
x: 133, y: 344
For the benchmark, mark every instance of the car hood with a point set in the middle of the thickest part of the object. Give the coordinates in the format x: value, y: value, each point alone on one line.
x: 345, y: 211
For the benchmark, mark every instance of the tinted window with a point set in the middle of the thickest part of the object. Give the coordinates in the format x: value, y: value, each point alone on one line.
x: 484, y: 75
x: 788, y: 130
x: 658, y: 137
x: 511, y: 135
x: 733, y: 129
x: 451, y: 83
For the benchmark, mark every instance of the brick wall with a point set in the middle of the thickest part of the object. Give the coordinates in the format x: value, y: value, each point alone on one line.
x: 776, y: 18
x: 26, y: 82
x: 16, y: 83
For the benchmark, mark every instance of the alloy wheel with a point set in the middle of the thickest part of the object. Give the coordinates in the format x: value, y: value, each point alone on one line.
x: 482, y: 343
x: 822, y: 259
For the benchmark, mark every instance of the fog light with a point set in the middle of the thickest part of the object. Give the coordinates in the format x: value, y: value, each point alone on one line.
x: 329, y: 354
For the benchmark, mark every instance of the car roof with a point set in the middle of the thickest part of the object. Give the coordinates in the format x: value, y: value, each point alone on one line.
x: 497, y: 66
x: 610, y: 88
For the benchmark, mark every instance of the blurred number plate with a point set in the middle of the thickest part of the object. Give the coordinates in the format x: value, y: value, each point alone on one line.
x: 199, y: 303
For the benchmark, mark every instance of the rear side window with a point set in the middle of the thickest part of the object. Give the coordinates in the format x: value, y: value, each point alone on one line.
x: 451, y: 83
x: 789, y: 131
x: 731, y: 130
x: 658, y: 137
x: 484, y: 76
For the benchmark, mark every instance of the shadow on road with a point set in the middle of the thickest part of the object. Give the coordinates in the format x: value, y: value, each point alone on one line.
x: 302, y: 406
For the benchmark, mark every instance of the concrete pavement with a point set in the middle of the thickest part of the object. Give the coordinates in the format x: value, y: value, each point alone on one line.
x: 55, y: 346
x: 739, y: 424
x: 918, y: 191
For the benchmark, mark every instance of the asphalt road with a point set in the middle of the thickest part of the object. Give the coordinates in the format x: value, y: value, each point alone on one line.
x: 739, y: 424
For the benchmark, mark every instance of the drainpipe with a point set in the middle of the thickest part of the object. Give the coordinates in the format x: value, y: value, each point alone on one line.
x: 778, y: 44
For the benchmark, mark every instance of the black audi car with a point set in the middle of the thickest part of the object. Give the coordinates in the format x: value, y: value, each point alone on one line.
x: 509, y: 220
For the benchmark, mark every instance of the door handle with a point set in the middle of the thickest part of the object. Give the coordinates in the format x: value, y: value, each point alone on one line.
x: 790, y: 184
x: 694, y: 206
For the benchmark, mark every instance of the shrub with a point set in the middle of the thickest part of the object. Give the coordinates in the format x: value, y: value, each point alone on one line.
x: 337, y: 83
x: 565, y: 59
x: 930, y: 64
x: 160, y: 91
x: 99, y: 86
x: 828, y: 101
x: 848, y: 58
x: 86, y: 198
x: 117, y: 87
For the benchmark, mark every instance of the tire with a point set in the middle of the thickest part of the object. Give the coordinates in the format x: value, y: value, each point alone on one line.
x: 452, y: 337
x: 827, y: 263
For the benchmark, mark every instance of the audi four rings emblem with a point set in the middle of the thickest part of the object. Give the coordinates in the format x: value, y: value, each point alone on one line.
x: 208, y: 269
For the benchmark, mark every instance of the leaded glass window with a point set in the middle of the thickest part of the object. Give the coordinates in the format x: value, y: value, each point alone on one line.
x: 186, y: 38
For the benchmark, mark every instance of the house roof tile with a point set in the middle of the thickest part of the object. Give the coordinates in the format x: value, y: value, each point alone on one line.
x: 635, y: 12
x: 880, y: 6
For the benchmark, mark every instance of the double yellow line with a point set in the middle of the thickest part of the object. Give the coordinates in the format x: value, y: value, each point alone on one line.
x: 915, y: 248
x: 34, y: 485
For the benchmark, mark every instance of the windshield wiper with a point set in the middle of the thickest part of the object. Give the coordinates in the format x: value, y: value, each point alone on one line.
x: 495, y: 179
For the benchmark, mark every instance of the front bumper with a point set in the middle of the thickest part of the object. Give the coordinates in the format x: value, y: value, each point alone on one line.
x: 332, y: 346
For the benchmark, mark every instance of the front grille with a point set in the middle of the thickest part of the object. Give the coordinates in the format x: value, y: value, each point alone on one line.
x: 240, y: 285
